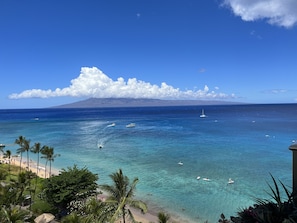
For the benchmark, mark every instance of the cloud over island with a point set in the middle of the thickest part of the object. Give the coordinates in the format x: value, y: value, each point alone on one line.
x: 92, y: 82
x: 275, y: 12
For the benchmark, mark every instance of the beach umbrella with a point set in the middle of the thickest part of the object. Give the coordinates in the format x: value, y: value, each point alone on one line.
x: 44, y: 218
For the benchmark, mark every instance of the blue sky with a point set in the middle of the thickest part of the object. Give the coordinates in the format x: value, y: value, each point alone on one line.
x: 54, y: 52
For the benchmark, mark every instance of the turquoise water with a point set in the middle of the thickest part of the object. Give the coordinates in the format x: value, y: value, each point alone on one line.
x: 242, y: 142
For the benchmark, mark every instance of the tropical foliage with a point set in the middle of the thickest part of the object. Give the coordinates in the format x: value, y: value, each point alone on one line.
x: 49, y: 155
x: 274, y: 210
x: 73, y: 194
x: 24, y: 145
x: 121, y: 194
x: 163, y: 217
x: 70, y: 186
x: 13, y: 215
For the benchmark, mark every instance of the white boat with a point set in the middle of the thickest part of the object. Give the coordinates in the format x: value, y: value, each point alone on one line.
x: 112, y: 125
x: 198, y: 178
x: 202, y: 114
x: 131, y: 125
x: 206, y: 179
x: 180, y: 163
x: 230, y: 181
x: 100, y: 145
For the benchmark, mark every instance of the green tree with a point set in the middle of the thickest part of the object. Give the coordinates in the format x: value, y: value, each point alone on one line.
x: 121, y: 194
x: 93, y: 211
x: 7, y: 195
x: 21, y: 184
x: 24, y: 147
x: 7, y: 155
x: 97, y: 210
x: 69, y: 186
x: 48, y: 154
x: 37, y: 150
x: 163, y: 218
x: 45, y: 151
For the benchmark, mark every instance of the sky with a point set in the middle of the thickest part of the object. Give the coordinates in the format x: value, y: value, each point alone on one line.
x: 55, y: 52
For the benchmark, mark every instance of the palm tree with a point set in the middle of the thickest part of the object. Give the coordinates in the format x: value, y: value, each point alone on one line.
x: 2, y: 146
x: 24, y: 147
x: 98, y: 211
x: 163, y: 218
x: 48, y: 154
x: 121, y: 195
x: 44, y: 152
x: 21, y: 184
x: 13, y: 215
x: 51, y: 158
x: 27, y: 149
x: 36, y: 149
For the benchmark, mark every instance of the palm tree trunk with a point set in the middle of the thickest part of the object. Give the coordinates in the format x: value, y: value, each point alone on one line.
x: 45, y: 169
x: 28, y: 165
x: 124, y: 215
x: 21, y: 159
x: 50, y: 170
x: 37, y: 171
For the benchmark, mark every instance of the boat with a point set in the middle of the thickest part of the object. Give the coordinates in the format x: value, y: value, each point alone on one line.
x: 206, y: 179
x: 230, y: 181
x: 111, y: 125
x: 198, y: 178
x: 2, y: 145
x: 180, y: 163
x: 202, y: 114
x: 131, y: 125
x: 100, y: 145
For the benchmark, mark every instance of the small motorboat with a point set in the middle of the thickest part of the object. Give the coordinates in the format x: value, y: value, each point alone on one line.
x: 230, y: 181
x: 131, y: 125
x: 198, y: 178
x: 180, y: 163
x: 112, y: 125
x: 206, y: 179
x: 100, y: 145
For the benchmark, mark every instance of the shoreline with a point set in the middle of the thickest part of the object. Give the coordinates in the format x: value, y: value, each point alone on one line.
x: 150, y: 216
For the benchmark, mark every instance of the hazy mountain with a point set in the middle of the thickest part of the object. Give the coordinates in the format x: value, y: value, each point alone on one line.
x: 131, y: 102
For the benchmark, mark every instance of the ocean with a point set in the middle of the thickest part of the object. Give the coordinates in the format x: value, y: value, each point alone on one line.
x: 246, y: 143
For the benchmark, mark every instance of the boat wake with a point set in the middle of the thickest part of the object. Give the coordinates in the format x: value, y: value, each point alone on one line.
x: 105, y: 135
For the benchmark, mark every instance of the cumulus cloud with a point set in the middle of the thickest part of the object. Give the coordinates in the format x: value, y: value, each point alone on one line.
x: 92, y: 82
x: 275, y: 12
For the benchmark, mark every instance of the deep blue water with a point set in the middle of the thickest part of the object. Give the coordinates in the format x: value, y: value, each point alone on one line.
x: 242, y: 142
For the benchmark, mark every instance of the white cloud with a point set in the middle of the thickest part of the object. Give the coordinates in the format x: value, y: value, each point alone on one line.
x: 92, y: 82
x: 278, y: 91
x: 202, y: 70
x: 276, y: 12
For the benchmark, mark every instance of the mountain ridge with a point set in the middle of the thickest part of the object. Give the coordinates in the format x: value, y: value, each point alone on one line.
x: 138, y: 102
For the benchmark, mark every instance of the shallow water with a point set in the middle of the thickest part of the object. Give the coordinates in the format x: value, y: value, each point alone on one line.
x: 242, y: 142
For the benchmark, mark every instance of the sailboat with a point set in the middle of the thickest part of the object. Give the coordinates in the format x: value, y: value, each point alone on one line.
x: 202, y: 114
